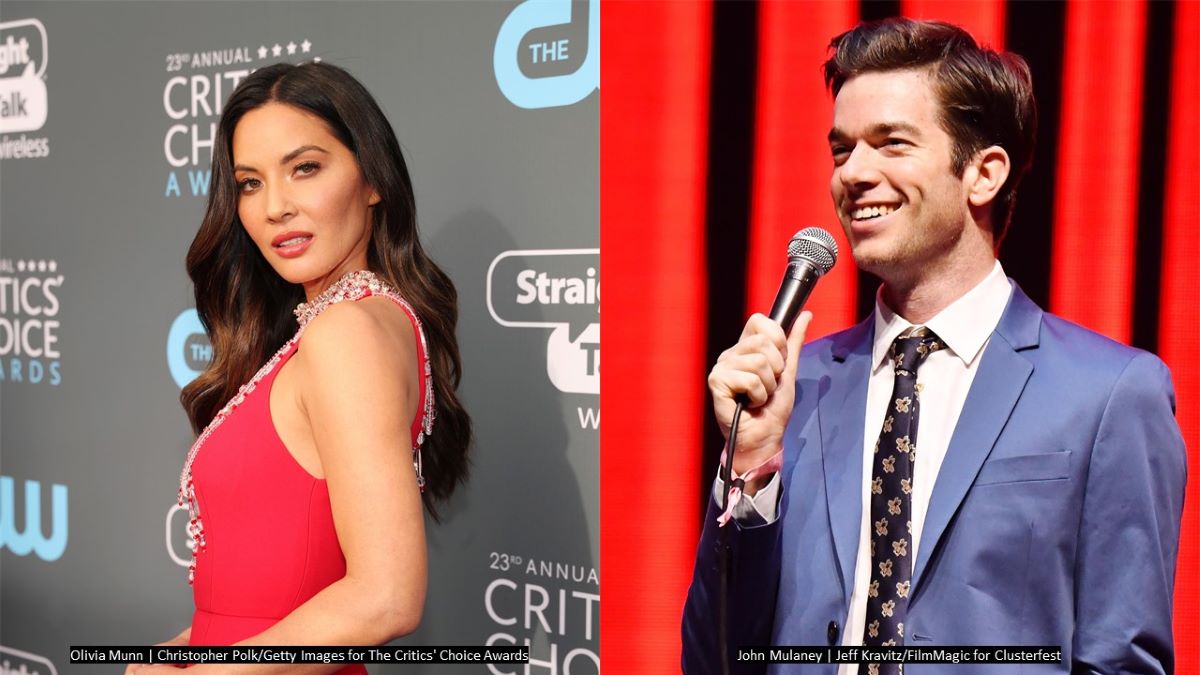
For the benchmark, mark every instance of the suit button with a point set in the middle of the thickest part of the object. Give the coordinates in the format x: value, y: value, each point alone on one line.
x: 831, y: 632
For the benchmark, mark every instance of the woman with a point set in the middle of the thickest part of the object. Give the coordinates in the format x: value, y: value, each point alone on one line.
x: 305, y: 499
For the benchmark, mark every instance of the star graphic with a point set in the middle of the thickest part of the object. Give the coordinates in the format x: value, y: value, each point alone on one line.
x: 41, y: 265
x: 262, y: 52
x: 53, y: 266
x: 316, y: 59
x: 275, y: 50
x: 304, y: 46
x: 291, y: 47
x: 20, y: 265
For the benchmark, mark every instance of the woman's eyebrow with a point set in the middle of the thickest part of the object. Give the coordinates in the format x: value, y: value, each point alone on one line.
x: 286, y: 158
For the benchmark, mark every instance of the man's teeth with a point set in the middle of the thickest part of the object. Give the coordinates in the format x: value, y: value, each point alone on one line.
x: 871, y: 212
x: 293, y: 241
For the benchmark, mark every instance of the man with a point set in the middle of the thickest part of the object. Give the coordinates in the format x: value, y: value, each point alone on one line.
x: 1040, y: 502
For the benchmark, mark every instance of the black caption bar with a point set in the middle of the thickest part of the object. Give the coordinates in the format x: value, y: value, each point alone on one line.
x: 900, y: 654
x: 186, y: 655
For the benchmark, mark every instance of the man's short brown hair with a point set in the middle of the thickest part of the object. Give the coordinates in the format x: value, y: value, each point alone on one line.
x: 986, y: 97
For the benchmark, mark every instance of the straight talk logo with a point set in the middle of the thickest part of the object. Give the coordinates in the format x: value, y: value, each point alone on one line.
x: 23, y: 97
x: 556, y: 289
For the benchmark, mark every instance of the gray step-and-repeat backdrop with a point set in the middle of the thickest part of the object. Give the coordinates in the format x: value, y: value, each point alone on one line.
x: 107, y: 115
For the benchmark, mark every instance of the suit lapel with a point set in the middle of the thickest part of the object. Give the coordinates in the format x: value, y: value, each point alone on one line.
x: 994, y: 393
x: 840, y: 413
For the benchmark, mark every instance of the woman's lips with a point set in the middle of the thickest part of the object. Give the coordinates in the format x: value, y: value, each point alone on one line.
x: 291, y: 245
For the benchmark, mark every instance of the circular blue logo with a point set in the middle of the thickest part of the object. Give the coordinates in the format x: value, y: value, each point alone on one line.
x: 188, y: 349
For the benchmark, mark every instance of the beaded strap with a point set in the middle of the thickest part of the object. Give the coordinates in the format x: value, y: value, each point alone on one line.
x: 352, y: 286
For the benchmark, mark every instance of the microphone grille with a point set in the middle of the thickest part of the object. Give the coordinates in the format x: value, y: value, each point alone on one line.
x: 816, y: 246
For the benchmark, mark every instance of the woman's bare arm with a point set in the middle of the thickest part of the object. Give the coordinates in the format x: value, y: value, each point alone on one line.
x: 359, y: 392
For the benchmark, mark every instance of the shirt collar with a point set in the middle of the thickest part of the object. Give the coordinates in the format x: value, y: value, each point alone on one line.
x: 964, y: 325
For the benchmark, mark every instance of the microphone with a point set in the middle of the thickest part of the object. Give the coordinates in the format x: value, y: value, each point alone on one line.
x: 811, y: 253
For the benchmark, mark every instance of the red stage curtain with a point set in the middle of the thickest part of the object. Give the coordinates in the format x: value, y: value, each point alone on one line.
x: 1179, y: 339
x: 791, y: 157
x: 1095, y: 217
x: 654, y: 130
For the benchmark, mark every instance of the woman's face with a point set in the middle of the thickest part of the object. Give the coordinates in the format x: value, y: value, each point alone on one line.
x: 301, y: 196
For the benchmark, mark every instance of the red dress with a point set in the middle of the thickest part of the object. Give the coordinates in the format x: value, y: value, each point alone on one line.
x: 266, y: 542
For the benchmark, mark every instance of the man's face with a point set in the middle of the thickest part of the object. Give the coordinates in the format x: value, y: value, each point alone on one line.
x: 901, y: 204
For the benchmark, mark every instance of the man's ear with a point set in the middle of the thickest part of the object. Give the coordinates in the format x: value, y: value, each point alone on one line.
x: 986, y: 174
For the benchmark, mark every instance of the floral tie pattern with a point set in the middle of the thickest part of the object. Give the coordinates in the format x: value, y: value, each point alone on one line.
x: 891, y: 500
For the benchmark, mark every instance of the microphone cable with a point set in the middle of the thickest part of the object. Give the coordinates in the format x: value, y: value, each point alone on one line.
x: 812, y: 252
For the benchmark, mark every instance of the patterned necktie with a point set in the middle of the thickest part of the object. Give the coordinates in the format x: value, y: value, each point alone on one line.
x: 891, y: 500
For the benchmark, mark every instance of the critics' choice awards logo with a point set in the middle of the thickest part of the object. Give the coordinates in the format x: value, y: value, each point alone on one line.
x: 23, y: 99
x: 29, y: 325
x: 30, y: 537
x: 551, y: 607
x: 18, y: 662
x: 558, y: 289
x: 548, y: 53
x: 197, y: 86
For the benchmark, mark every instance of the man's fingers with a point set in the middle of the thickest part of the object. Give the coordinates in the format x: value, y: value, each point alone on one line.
x: 733, y: 382
x: 754, y: 353
x: 768, y: 362
x: 766, y: 366
x: 760, y: 325
x: 795, y: 341
x: 762, y: 360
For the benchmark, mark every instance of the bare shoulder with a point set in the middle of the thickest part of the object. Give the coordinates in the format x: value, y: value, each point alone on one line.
x: 360, y: 343
x: 375, y: 327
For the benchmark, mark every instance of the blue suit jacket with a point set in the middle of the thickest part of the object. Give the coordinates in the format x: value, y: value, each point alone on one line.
x: 1054, y: 519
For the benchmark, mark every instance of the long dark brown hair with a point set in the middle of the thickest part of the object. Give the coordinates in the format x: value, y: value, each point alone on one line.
x: 246, y: 307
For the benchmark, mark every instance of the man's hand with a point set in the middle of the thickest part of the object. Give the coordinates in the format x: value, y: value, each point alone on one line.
x: 762, y: 365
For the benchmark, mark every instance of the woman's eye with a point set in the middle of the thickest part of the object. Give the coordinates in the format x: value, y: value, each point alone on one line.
x: 247, y: 184
x: 307, y: 168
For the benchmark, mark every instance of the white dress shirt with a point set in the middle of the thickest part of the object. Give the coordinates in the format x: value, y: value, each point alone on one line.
x: 943, y: 380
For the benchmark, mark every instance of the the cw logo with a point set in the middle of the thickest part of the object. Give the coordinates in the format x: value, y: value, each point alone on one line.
x: 31, y: 538
x: 551, y: 90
